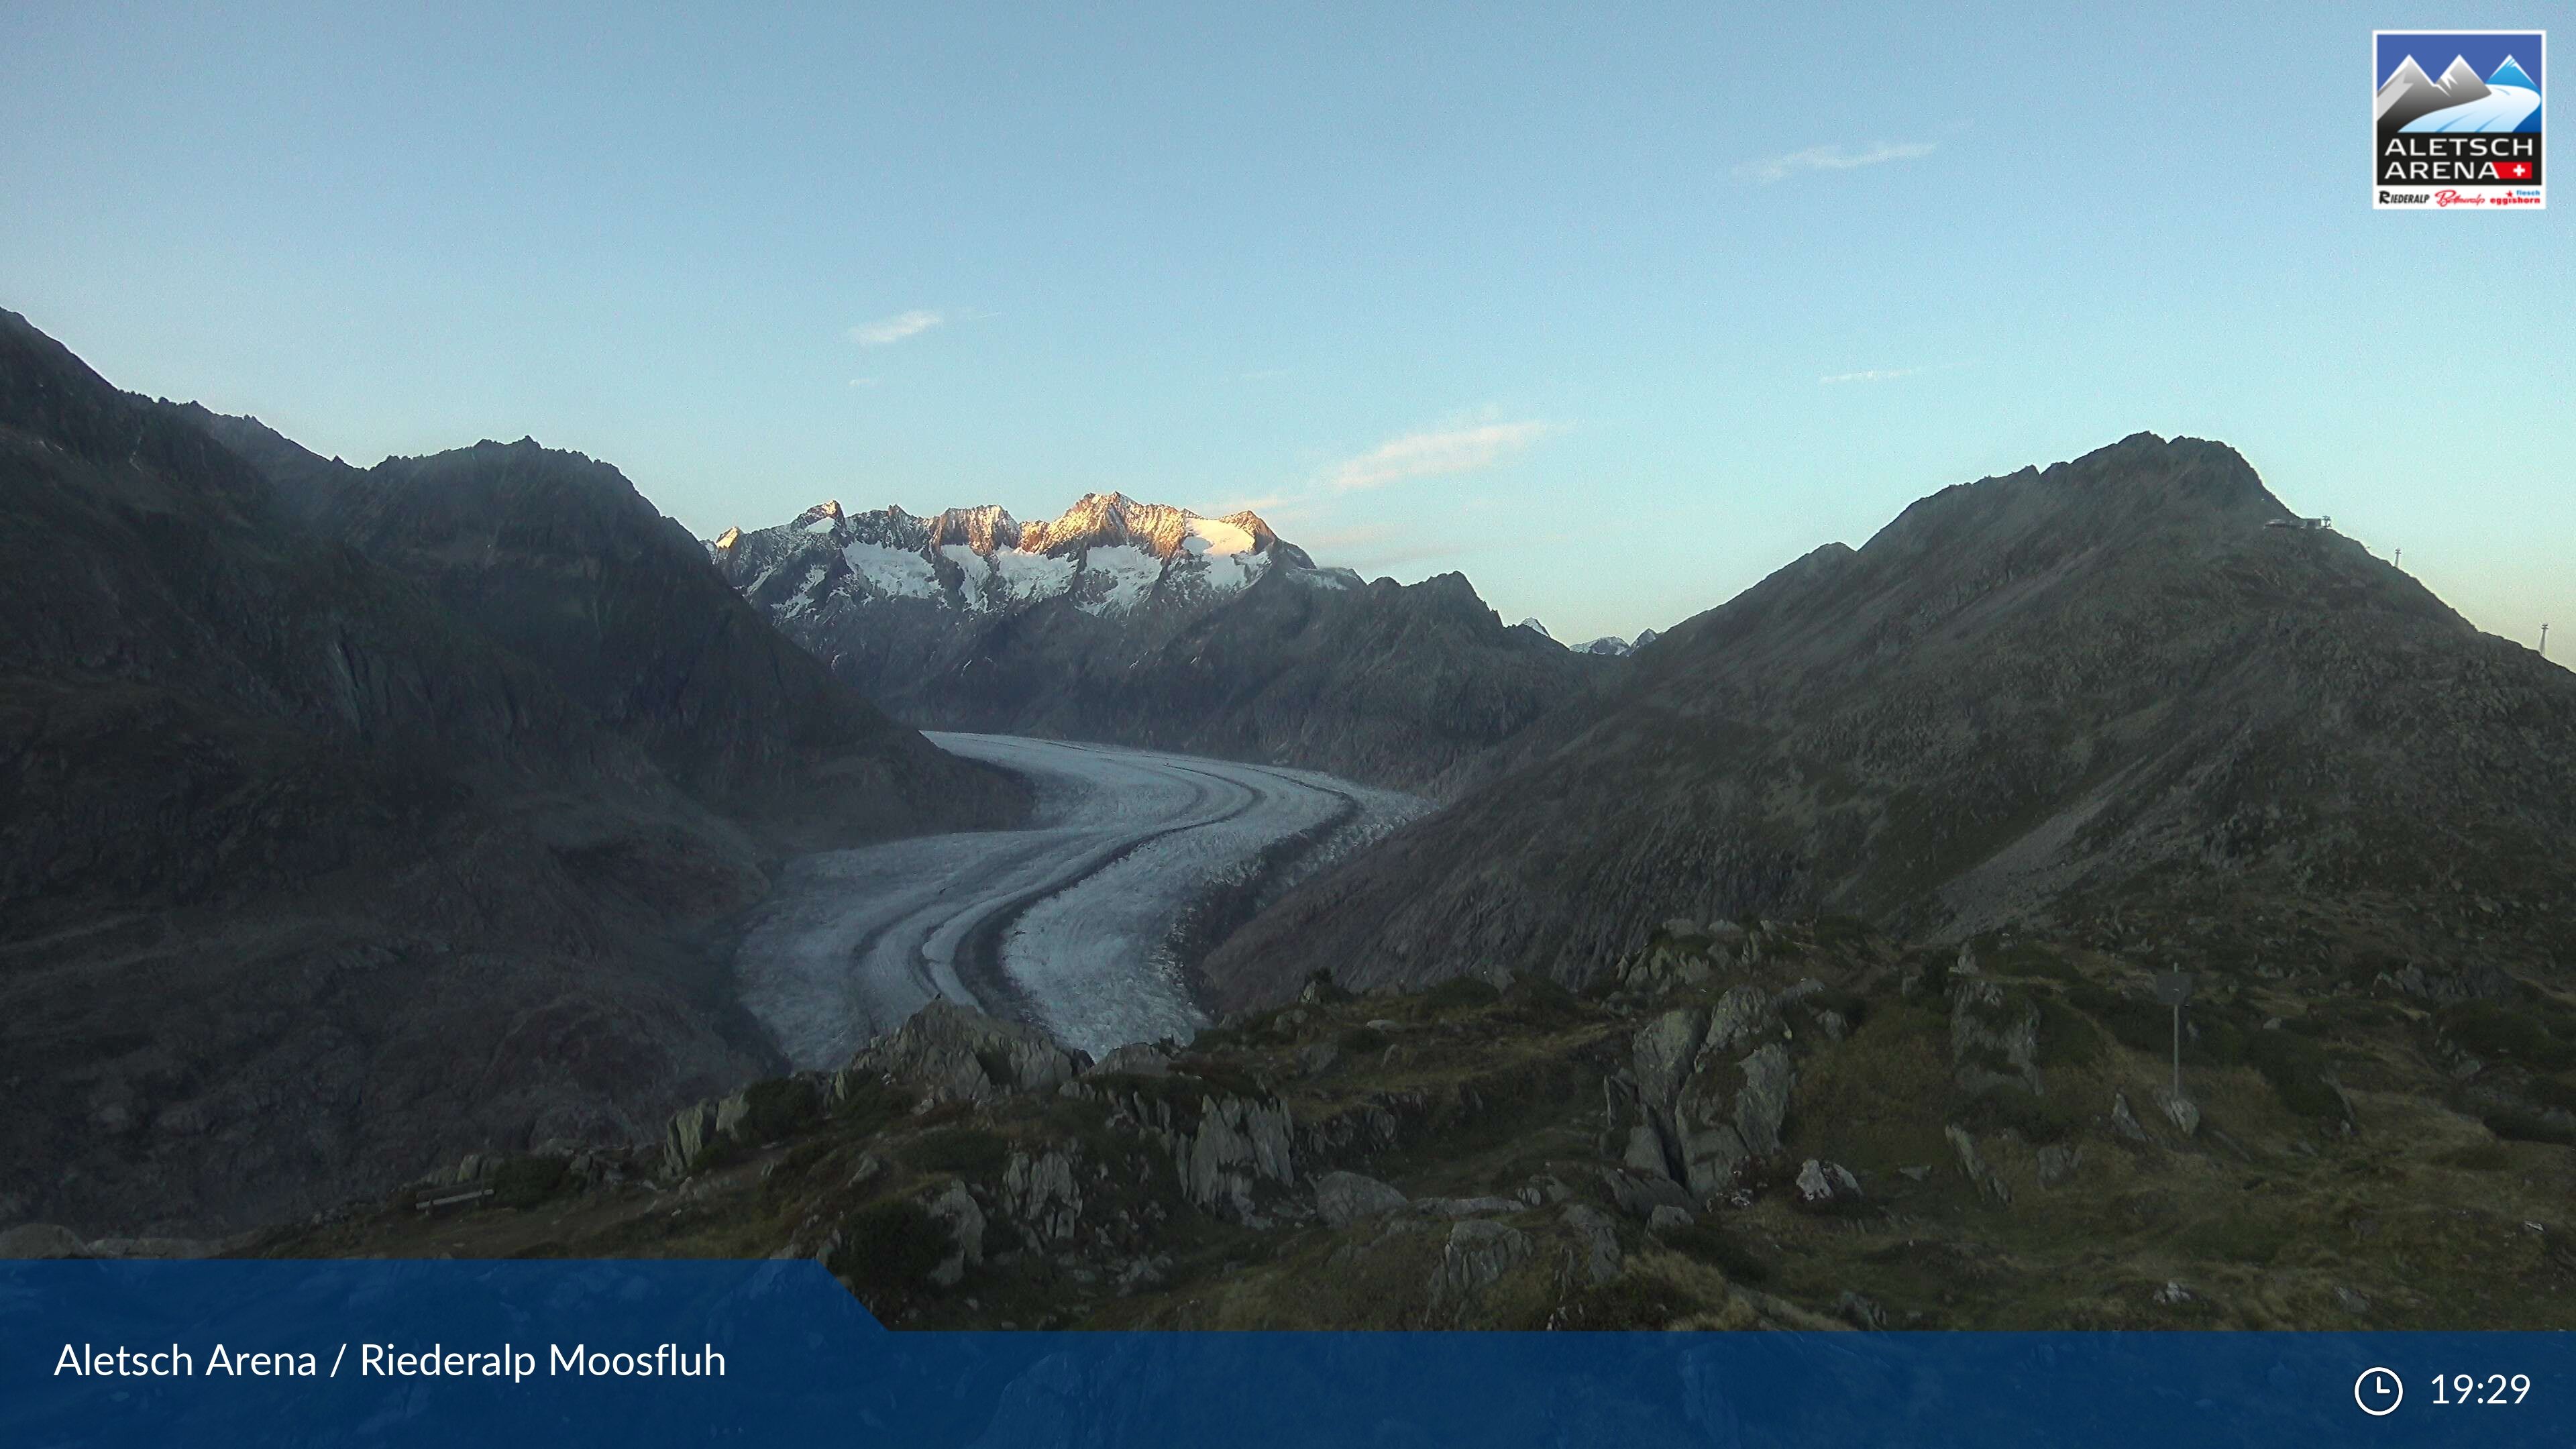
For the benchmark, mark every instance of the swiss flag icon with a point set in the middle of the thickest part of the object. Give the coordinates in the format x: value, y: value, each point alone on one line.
x: 2514, y: 170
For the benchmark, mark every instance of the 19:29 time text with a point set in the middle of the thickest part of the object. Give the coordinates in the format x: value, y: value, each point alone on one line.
x: 2476, y: 1389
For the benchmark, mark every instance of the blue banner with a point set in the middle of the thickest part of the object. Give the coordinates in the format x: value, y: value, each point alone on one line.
x: 466, y: 1355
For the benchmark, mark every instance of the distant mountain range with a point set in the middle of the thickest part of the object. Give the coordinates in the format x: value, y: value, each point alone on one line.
x: 2099, y: 694
x: 1616, y: 647
x: 355, y: 820
x: 1146, y: 624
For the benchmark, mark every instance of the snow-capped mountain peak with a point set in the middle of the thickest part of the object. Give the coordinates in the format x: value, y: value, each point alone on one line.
x: 1616, y: 647
x: 1108, y: 553
x: 2511, y: 74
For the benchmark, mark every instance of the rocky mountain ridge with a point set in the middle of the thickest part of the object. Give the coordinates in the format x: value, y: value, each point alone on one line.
x: 556, y: 556
x: 2049, y: 696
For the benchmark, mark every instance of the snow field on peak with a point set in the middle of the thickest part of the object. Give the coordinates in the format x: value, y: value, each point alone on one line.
x: 893, y: 573
x: 1128, y: 574
x: 1215, y: 535
x: 1032, y: 576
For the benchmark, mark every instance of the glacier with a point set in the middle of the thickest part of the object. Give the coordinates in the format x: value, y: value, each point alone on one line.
x: 1072, y: 923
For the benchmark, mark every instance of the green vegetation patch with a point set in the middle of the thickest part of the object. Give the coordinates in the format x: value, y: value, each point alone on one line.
x: 966, y: 1151
x: 777, y: 1109
x: 2513, y: 1034
x: 1714, y: 1245
x: 525, y: 1182
x: 2295, y: 1066
x: 890, y: 1247
x: 1535, y: 1000
x: 871, y: 1106
x: 2039, y: 1120
x: 2516, y: 1124
x: 1364, y: 1041
x: 1461, y: 993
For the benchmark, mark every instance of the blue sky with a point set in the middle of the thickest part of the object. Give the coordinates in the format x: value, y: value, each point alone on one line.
x: 1614, y: 309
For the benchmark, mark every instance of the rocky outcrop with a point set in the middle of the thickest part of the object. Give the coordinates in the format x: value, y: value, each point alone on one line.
x: 954, y: 1053
x: 1822, y: 1184
x: 1240, y: 1146
x: 1043, y: 1192
x: 1598, y: 1259
x: 955, y: 1210
x: 1709, y: 1090
x: 1478, y: 1254
x: 1972, y: 1164
x: 1347, y: 1197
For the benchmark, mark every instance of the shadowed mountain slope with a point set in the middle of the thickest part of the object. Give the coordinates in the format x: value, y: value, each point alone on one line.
x: 305, y: 880
x: 559, y: 558
x: 2065, y: 693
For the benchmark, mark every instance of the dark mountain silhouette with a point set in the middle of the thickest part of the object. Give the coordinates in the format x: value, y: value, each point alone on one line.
x: 557, y: 556
x: 307, y: 882
x: 2075, y: 695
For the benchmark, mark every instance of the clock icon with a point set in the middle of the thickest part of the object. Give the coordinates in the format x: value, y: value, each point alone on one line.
x: 2378, y: 1391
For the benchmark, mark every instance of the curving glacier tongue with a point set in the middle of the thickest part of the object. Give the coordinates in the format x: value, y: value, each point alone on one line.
x: 1076, y: 924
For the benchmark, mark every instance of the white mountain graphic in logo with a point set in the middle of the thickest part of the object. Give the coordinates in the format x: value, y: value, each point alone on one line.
x: 2459, y: 101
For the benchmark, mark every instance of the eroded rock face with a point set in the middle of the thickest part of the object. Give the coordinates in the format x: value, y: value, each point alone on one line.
x: 1822, y: 1183
x: 1973, y: 1163
x: 1599, y: 1237
x: 1707, y: 1097
x: 756, y: 1113
x: 1042, y: 1193
x: 1479, y: 1252
x: 1238, y: 1145
x: 955, y: 1209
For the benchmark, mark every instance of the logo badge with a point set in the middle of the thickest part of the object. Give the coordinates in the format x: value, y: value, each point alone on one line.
x: 2455, y: 120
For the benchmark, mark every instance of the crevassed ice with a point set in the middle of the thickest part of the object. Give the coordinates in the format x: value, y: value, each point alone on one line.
x: 892, y: 572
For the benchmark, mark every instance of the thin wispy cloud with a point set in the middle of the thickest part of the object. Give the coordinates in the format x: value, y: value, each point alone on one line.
x: 1830, y: 158
x: 887, y: 330
x: 863, y: 382
x: 1434, y: 452
x: 1874, y: 374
